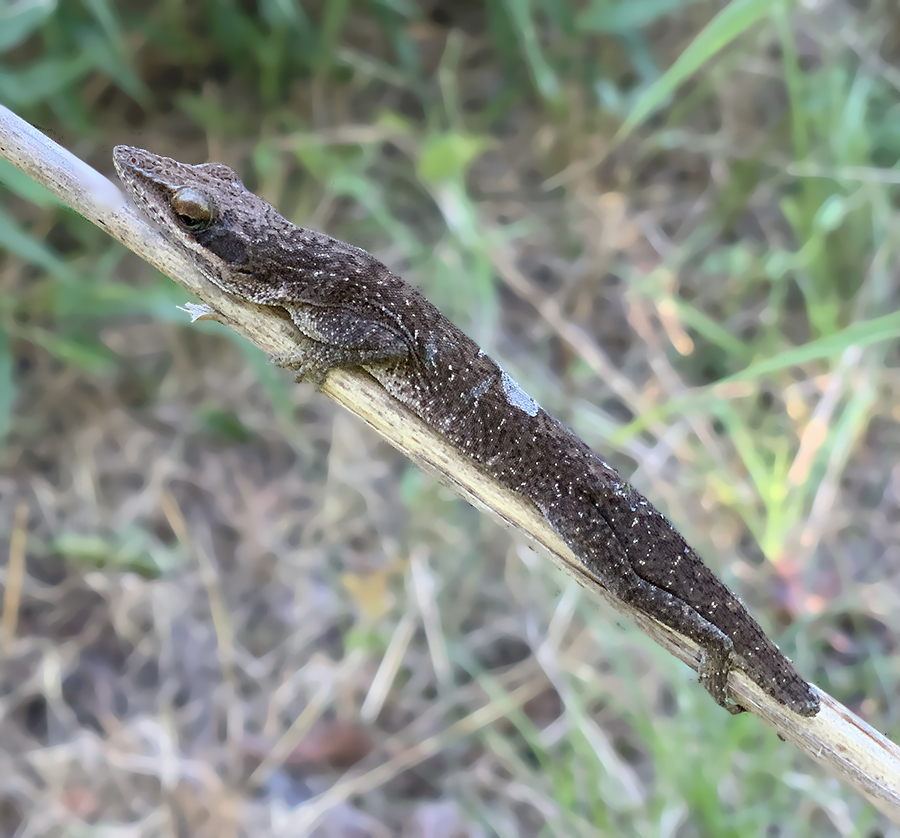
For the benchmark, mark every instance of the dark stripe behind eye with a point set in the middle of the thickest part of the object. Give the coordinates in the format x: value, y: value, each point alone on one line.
x: 225, y: 244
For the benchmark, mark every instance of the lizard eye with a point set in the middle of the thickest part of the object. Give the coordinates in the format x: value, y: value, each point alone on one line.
x: 193, y: 209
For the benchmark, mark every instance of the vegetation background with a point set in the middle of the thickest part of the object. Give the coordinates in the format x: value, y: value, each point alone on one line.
x: 223, y: 596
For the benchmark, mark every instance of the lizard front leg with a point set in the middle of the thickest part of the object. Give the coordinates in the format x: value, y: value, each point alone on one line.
x: 334, y: 337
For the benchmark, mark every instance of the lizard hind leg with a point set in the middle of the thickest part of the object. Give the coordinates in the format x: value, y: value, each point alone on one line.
x: 716, y: 648
x: 604, y: 556
x: 716, y: 661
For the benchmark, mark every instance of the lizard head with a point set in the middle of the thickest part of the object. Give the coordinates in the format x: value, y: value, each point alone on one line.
x: 205, y: 208
x: 237, y: 239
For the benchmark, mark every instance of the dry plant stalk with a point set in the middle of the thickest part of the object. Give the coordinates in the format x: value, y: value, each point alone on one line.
x: 836, y: 737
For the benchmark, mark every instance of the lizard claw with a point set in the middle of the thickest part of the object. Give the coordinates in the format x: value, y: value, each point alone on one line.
x: 306, y: 369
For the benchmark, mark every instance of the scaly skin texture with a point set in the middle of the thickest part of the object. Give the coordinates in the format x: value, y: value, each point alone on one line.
x: 350, y: 310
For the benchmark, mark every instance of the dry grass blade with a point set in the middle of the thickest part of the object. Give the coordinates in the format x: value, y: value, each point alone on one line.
x: 309, y: 815
x: 14, y: 575
x: 836, y: 737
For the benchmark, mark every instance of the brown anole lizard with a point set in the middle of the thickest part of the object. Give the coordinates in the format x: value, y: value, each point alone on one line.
x: 350, y: 310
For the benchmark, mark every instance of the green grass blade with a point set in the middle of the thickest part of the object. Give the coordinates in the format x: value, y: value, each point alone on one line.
x: 15, y: 239
x: 19, y: 20
x: 628, y: 16
x: 7, y: 386
x: 860, y: 334
x: 732, y: 21
x: 520, y: 15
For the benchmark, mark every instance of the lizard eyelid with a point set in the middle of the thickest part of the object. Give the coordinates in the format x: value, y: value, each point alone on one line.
x: 194, y: 210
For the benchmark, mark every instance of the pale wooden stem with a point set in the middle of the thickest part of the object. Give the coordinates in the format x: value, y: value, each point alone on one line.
x: 835, y: 737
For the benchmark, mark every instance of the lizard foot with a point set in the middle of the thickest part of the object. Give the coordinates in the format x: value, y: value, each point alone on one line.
x: 306, y: 368
x: 716, y: 662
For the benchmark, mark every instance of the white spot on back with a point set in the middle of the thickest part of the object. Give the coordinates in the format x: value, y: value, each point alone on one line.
x: 517, y: 397
x: 480, y: 389
x: 430, y: 350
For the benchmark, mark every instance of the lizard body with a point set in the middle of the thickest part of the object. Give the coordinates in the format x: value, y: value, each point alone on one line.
x: 350, y: 310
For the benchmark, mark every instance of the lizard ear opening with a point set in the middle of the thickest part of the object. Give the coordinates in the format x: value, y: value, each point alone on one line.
x: 194, y: 210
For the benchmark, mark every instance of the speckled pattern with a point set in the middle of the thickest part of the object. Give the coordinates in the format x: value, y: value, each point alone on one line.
x: 350, y: 310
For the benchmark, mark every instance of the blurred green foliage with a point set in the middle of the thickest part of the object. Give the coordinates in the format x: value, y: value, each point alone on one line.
x: 339, y: 103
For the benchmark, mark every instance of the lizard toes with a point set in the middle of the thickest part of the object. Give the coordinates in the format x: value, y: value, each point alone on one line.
x: 312, y: 373
x: 289, y: 360
x: 305, y: 369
